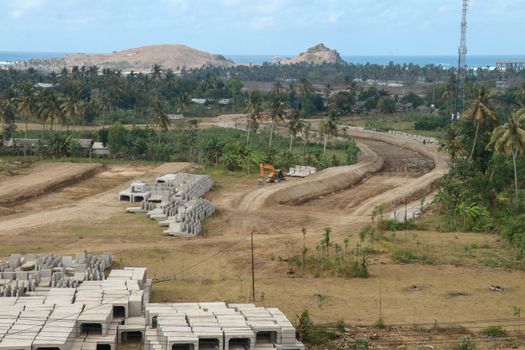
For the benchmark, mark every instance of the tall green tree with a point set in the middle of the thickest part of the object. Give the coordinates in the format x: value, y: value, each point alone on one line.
x: 328, y: 127
x: 253, y: 112
x: 305, y: 89
x: 480, y: 113
x: 509, y: 139
x: 276, y: 113
x: 295, y: 126
x: 26, y: 102
x: 452, y: 143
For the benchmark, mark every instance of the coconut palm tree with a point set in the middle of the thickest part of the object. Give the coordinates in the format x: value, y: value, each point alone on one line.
x: 26, y: 103
x: 509, y: 139
x: 183, y: 102
x: 72, y: 106
x: 276, y: 113
x: 452, y: 144
x: 7, y: 113
x: 253, y: 111
x: 156, y: 72
x: 161, y: 120
x: 277, y: 89
x: 305, y: 89
x: 327, y: 89
x: 328, y: 127
x: 49, y: 108
x: 480, y: 112
x: 295, y: 126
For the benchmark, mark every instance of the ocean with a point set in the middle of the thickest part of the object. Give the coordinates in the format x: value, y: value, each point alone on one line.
x: 446, y: 61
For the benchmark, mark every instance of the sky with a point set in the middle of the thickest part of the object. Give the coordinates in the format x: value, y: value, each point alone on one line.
x: 259, y: 27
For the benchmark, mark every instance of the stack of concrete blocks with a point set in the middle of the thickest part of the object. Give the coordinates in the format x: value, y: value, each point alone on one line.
x: 25, y: 275
x: 60, y: 328
x: 301, y: 171
x: 419, y: 138
x: 176, y: 201
x: 207, y: 326
x: 24, y: 331
x: 138, y: 191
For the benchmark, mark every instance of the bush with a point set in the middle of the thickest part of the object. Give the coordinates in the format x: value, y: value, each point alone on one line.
x: 465, y: 344
x: 430, y: 123
x: 380, y: 323
x: 394, y: 225
x: 407, y: 256
x: 494, y: 331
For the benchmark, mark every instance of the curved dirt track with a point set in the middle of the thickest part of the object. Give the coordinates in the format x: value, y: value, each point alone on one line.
x: 335, y: 179
x: 322, y: 183
x: 43, y: 178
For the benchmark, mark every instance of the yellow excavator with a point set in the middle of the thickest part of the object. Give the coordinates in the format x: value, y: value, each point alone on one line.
x: 271, y: 174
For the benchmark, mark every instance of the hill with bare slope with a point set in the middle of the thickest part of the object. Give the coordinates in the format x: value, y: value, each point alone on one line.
x: 143, y: 58
x: 318, y: 54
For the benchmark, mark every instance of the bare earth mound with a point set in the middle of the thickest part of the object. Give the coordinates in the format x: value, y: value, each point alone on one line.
x: 174, y: 57
x: 324, y: 182
x: 42, y: 179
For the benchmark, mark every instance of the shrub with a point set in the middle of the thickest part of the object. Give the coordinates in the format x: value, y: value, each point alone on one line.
x: 407, y: 256
x: 494, y: 331
x: 465, y: 344
x: 380, y: 323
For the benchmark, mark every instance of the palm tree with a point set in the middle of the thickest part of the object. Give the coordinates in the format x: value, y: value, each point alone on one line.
x: 7, y: 113
x: 295, y: 126
x: 72, y: 106
x: 49, y: 108
x: 452, y: 142
x: 156, y: 72
x: 253, y: 111
x: 306, y: 89
x: 26, y: 103
x: 183, y: 102
x: 328, y: 127
x: 327, y: 92
x: 161, y: 120
x: 277, y: 89
x: 509, y: 139
x: 276, y: 115
x: 480, y: 113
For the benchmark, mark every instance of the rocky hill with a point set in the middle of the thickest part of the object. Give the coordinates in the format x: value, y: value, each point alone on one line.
x: 317, y: 55
x: 143, y: 58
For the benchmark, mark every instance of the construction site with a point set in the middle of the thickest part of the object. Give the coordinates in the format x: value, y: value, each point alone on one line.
x: 191, y: 233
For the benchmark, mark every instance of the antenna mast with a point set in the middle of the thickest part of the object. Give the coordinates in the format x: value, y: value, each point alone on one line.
x: 459, y: 103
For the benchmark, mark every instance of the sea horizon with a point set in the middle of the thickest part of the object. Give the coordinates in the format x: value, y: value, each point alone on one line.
x: 7, y: 57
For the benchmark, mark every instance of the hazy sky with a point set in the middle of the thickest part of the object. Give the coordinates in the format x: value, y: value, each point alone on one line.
x: 353, y: 27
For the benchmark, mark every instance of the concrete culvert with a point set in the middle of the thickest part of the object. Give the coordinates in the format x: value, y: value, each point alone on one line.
x: 182, y: 347
x: 132, y: 337
x: 241, y: 343
x: 208, y: 344
x: 266, y: 338
x: 91, y: 328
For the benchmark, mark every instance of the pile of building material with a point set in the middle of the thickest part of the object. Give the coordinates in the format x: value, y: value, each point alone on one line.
x: 102, y: 314
x: 301, y: 171
x: 22, y: 274
x: 175, y: 200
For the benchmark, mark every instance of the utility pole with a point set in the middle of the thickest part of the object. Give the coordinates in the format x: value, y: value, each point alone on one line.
x: 459, y: 98
x: 253, y: 271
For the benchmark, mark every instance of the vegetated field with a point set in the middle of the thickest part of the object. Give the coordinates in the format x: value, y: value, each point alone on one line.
x: 420, y: 276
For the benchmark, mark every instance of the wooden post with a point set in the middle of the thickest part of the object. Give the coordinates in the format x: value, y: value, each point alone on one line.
x: 253, y: 271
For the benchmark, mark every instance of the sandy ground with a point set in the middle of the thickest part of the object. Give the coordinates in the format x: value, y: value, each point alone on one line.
x: 216, y: 264
x: 84, y: 202
x: 41, y: 179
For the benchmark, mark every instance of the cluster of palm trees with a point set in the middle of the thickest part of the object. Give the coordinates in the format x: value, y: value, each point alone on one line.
x: 506, y: 138
x: 48, y: 106
x: 288, y: 113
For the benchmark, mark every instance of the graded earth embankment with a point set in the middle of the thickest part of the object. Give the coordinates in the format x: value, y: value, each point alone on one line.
x: 339, y: 178
x: 322, y: 183
x: 43, y: 178
x: 412, y: 189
